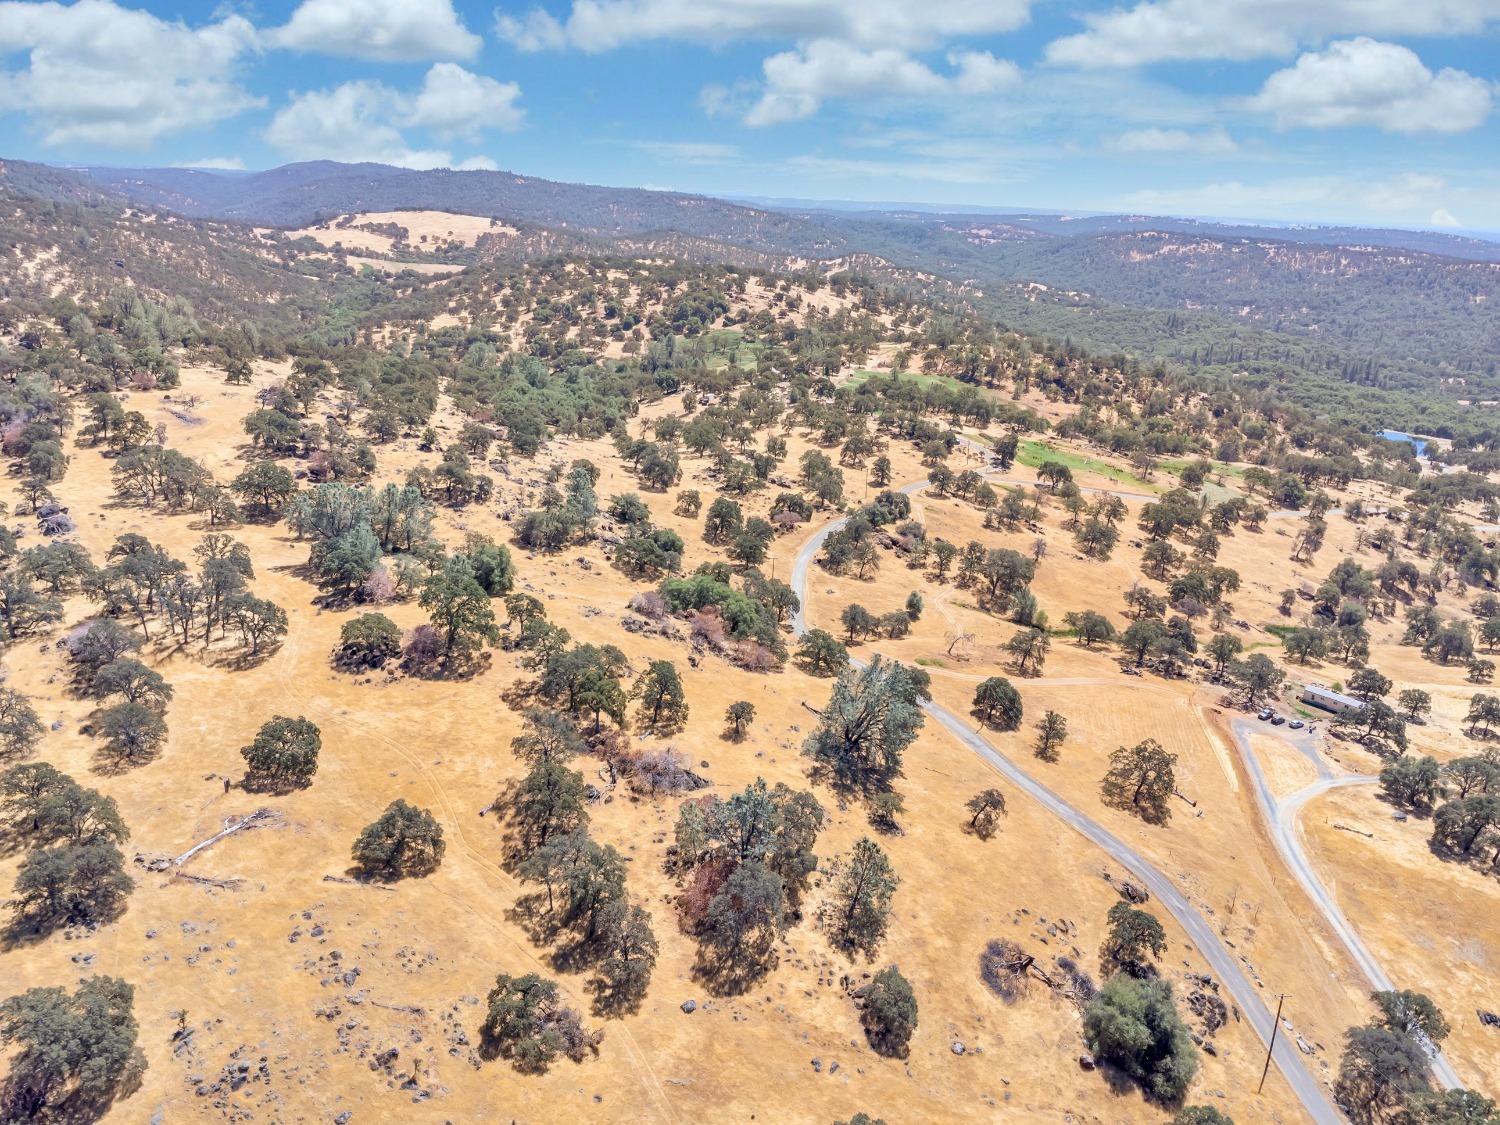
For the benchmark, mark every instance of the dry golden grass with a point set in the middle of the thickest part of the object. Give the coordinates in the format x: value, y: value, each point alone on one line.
x: 1430, y: 923
x: 253, y: 970
x: 425, y: 230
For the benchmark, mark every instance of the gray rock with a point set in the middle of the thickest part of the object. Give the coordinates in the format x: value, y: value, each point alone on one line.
x: 958, y: 1048
x: 690, y: 1006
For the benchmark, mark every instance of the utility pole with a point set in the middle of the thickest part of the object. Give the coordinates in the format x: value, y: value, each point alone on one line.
x: 1275, y: 1027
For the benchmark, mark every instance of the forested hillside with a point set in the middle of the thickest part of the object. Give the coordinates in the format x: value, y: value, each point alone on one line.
x: 1400, y: 304
x: 1297, y: 313
x: 298, y: 194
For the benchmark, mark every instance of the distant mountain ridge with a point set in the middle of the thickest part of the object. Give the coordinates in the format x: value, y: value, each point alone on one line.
x: 296, y: 195
x: 1392, y: 308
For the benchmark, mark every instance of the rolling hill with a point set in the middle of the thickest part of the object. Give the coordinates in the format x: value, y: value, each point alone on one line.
x: 1398, y: 309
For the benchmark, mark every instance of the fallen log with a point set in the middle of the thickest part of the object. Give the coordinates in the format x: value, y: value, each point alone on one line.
x: 233, y: 884
x: 257, y: 819
x: 357, y: 882
x: 407, y: 1008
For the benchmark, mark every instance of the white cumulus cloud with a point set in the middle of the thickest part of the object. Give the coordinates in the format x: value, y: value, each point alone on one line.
x: 979, y: 72
x: 1166, y: 30
x: 367, y: 121
x: 1365, y: 82
x: 797, y: 82
x: 601, y: 25
x: 381, y: 30
x: 352, y: 122
x: 455, y: 102
x: 99, y: 74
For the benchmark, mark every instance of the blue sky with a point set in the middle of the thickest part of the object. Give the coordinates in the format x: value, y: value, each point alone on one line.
x: 1371, y: 111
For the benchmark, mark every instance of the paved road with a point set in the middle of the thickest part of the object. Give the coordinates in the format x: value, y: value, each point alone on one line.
x: 1221, y: 961
x: 1281, y: 821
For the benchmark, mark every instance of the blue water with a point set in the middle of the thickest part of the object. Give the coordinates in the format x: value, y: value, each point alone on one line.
x: 1415, y: 442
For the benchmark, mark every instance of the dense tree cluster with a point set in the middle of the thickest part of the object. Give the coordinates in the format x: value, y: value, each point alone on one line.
x: 72, y: 870
x: 745, y: 861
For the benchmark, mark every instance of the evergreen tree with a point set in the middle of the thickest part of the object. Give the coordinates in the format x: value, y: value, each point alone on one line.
x: 132, y: 732
x: 998, y: 704
x: 1141, y: 779
x: 660, y: 697
x: 629, y: 955
x: 862, y: 900
x: 1051, y: 733
x: 284, y: 754
x: 821, y: 653
x: 459, y: 608
x: 739, y: 715
x: 1134, y: 936
x: 403, y: 841
x: 872, y: 716
x: 70, y: 884
x: 890, y: 1012
x: 1134, y: 1025
x: 548, y: 802
x: 20, y: 726
x: 985, y: 810
x: 368, y: 641
x: 525, y: 1022
x: 70, y: 1051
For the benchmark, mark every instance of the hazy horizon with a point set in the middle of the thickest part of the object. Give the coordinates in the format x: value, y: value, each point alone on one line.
x: 849, y: 205
x: 1319, y: 111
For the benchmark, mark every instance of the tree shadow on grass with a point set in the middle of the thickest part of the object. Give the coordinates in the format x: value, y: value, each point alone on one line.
x: 726, y: 974
x: 540, y: 923
x: 31, y: 927
x: 1116, y: 1081
x: 80, y: 1107
x: 109, y: 762
x: 520, y: 695
x: 273, y: 786
x: 458, y: 667
x: 242, y: 660
x: 610, y: 1001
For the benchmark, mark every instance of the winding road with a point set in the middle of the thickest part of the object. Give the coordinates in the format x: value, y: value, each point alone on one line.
x: 1280, y: 816
x: 1309, y: 1090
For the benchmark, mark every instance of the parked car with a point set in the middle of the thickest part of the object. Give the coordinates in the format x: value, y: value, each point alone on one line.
x: 1295, y: 724
x: 1264, y: 713
x: 1277, y: 720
